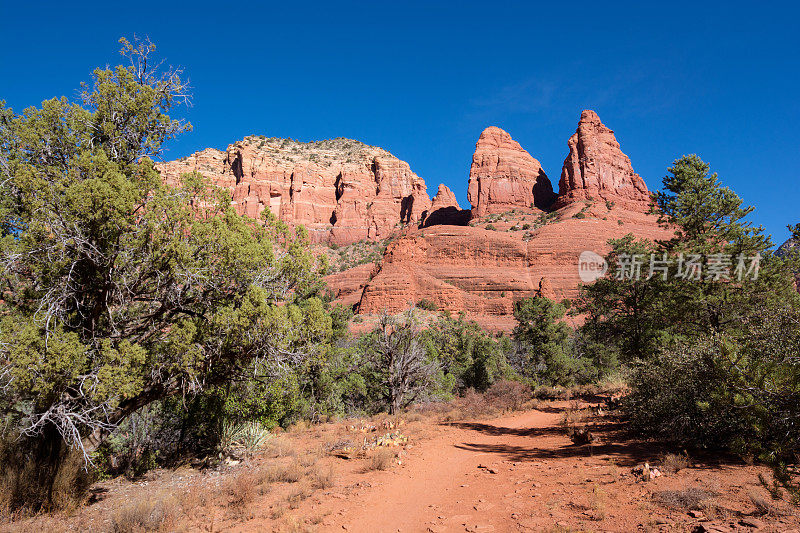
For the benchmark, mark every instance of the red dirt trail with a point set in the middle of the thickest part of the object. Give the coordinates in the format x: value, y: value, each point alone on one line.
x: 522, y: 473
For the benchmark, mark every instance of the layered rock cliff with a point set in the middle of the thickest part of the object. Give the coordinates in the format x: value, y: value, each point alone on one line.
x: 512, y: 248
x: 596, y: 168
x: 342, y: 190
x: 518, y: 239
x: 504, y: 176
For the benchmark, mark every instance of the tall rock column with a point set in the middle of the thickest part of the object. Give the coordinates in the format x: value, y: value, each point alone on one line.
x: 596, y: 168
x: 503, y: 176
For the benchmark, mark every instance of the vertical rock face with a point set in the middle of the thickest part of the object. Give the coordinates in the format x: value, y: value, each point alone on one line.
x: 597, y: 168
x: 445, y: 210
x: 503, y: 176
x: 341, y: 190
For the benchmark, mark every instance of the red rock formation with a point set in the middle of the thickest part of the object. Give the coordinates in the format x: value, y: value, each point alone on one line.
x: 341, y: 190
x: 596, y: 168
x: 445, y: 210
x: 481, y: 272
x: 503, y: 176
x: 444, y: 198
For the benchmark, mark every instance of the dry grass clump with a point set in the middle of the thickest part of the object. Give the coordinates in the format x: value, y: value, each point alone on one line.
x: 380, y: 459
x: 195, y: 496
x: 279, y: 447
x: 296, y: 496
x: 763, y: 506
x: 323, y: 478
x: 241, y: 489
x: 575, y: 418
x: 45, y: 523
x: 283, y: 473
x: 598, y: 504
x: 30, y: 483
x: 338, y: 446
x: 146, y: 514
x: 691, y: 499
x: 294, y: 525
x: 307, y: 460
x: 672, y: 463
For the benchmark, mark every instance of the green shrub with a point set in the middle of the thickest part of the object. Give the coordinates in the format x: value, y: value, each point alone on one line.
x: 427, y: 305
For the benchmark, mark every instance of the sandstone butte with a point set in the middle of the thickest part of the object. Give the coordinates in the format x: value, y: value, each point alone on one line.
x: 518, y: 239
x: 341, y: 190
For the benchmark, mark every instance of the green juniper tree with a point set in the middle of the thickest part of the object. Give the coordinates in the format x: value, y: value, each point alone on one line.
x: 119, y: 290
x: 543, y: 339
x: 713, y: 357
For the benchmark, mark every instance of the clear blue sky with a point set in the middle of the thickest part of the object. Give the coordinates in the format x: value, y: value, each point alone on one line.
x: 423, y: 79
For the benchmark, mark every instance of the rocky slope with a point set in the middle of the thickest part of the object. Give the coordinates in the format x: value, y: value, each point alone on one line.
x: 341, y: 190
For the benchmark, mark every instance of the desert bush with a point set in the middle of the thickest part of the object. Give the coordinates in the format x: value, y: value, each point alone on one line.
x: 379, y: 459
x: 249, y: 435
x: 672, y: 463
x: 509, y: 395
x: 427, y: 305
x: 469, y: 357
x: 545, y: 352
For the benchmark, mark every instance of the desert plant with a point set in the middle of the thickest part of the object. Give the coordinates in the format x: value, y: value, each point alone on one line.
x: 427, y: 305
x: 400, y: 367
x: 671, y: 463
x: 691, y: 498
x: 291, y: 472
x: 380, y: 459
x: 249, y: 435
x: 120, y: 289
x: 145, y: 514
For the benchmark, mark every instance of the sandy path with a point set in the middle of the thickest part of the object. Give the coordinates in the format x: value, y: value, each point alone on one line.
x: 443, y: 487
x: 516, y: 473
x: 521, y: 473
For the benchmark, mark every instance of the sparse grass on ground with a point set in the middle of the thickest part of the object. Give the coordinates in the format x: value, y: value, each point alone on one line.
x: 380, y: 459
x: 689, y: 499
x: 154, y: 513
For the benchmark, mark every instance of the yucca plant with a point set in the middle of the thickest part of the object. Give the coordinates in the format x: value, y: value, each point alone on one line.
x: 249, y: 436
